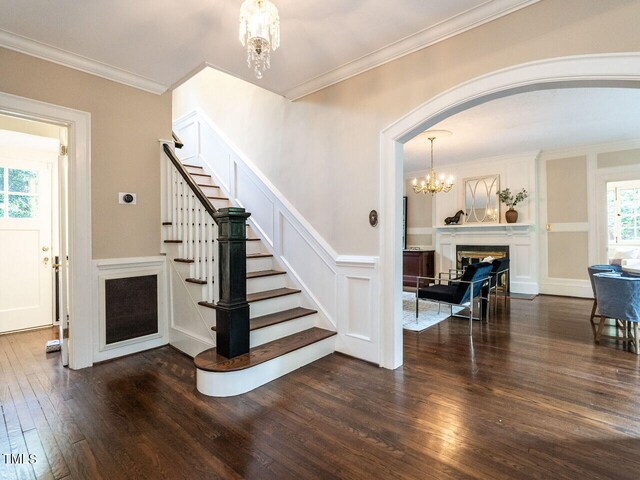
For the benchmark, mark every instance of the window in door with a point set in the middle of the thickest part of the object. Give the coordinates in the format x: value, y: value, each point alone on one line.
x: 18, y: 193
x: 623, y: 212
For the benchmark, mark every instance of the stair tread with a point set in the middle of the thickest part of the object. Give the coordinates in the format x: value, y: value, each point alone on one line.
x: 192, y: 166
x: 280, y: 317
x: 196, y: 280
x: 267, y: 294
x: 259, y: 255
x: 173, y: 241
x: 183, y: 260
x: 199, y: 174
x: 265, y: 273
x: 210, y: 361
x: 207, y: 185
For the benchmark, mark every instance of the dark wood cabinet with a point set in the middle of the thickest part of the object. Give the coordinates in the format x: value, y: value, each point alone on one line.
x: 417, y: 263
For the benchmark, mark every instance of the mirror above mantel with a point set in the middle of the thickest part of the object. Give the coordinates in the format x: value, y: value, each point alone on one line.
x: 481, y: 203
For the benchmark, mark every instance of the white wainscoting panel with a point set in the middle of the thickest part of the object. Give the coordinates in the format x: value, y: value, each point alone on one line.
x: 189, y: 331
x: 344, y: 290
x: 125, y: 268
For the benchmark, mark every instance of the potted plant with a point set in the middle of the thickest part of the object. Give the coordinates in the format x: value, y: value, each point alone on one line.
x: 511, y: 200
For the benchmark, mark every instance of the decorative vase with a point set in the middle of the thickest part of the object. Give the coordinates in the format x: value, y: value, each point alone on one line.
x: 511, y: 216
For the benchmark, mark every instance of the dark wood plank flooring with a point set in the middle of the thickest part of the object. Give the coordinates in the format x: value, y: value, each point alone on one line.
x: 530, y: 396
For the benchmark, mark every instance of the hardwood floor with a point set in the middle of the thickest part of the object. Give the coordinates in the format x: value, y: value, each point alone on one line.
x: 530, y: 397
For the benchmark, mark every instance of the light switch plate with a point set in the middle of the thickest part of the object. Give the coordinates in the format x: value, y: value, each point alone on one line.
x: 122, y: 201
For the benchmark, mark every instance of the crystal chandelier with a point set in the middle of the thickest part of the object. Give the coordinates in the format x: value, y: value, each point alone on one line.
x: 432, y: 184
x: 259, y: 32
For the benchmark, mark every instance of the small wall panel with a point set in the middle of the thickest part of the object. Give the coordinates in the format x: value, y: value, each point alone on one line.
x: 131, y: 308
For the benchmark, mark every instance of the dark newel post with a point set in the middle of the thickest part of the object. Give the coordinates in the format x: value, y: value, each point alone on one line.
x: 232, y: 310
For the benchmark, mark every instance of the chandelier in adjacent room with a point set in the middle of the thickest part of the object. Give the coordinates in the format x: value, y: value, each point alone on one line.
x: 259, y: 32
x: 432, y: 184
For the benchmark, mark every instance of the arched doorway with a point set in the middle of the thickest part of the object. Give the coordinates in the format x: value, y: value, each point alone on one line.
x: 601, y: 70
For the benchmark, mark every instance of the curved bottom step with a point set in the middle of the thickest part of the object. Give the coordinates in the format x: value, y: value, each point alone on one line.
x: 221, y: 377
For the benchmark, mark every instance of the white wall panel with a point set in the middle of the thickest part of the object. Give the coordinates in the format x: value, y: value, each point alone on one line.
x: 188, y: 133
x: 310, y: 267
x: 216, y: 154
x: 255, y: 201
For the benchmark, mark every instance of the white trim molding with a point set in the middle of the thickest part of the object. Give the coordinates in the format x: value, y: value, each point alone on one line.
x: 65, y: 58
x: 474, y: 17
x: 79, y: 215
x: 110, y: 269
x: 341, y: 287
x: 616, y: 69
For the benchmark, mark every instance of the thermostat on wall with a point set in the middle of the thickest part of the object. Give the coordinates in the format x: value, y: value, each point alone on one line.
x: 126, y: 198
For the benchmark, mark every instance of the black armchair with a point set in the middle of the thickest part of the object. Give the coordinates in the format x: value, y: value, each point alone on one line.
x: 464, y: 289
x: 499, y: 278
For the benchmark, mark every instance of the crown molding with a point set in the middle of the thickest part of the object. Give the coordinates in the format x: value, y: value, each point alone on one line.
x: 456, y: 25
x: 37, y: 49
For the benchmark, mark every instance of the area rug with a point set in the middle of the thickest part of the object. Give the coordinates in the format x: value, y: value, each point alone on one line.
x: 427, y: 313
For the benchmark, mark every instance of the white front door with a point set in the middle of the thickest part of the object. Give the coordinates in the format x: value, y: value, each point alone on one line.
x: 26, y: 274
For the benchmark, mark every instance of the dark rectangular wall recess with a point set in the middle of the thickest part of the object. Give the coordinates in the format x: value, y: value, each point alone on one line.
x: 131, y: 307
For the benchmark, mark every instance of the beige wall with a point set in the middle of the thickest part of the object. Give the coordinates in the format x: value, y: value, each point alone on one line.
x: 126, y: 124
x: 567, y: 190
x: 568, y: 255
x: 419, y: 216
x: 332, y: 136
x: 619, y: 159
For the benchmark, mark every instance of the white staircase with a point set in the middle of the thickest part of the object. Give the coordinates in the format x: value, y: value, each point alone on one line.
x: 286, y: 331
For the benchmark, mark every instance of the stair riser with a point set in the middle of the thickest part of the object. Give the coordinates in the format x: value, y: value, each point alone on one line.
x: 261, y: 284
x: 236, y: 383
x: 209, y: 315
x: 204, y: 181
x: 172, y: 249
x: 217, y: 204
x: 211, y: 191
x: 255, y: 247
x: 183, y: 269
x: 273, y: 305
x: 259, y: 264
x: 198, y: 292
x: 194, y: 170
x: 274, y: 332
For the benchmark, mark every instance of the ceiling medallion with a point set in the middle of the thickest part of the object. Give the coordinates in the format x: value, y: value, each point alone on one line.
x: 259, y: 32
x: 432, y: 184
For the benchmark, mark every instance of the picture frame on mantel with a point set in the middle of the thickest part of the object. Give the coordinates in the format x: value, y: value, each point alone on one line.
x: 404, y: 222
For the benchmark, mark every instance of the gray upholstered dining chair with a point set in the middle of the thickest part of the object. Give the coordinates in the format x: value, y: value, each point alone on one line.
x: 618, y: 297
x: 593, y: 269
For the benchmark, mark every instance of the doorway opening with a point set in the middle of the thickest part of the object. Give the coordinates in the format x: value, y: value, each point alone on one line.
x: 623, y: 222
x: 603, y: 70
x: 32, y: 223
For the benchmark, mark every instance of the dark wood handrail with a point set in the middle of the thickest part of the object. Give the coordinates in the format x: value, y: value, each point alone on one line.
x: 176, y: 140
x: 187, y: 178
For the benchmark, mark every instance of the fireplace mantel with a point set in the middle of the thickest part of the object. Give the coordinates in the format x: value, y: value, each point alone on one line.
x: 521, y: 239
x: 495, y: 227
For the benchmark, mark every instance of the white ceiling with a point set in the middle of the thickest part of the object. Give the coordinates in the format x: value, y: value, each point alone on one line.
x: 542, y: 120
x: 156, y: 44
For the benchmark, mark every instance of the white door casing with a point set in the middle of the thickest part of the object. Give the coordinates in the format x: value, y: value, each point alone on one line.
x: 80, y: 308
x: 63, y: 247
x: 26, y: 277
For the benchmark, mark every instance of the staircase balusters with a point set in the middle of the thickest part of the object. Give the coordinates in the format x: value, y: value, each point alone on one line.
x: 169, y: 188
x: 175, y: 216
x: 197, y: 240
x: 194, y: 222
x: 184, y: 200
